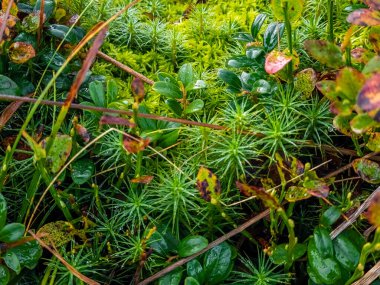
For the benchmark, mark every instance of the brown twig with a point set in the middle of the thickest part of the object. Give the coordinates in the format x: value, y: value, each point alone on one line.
x: 216, y: 242
x: 5, y: 19
x: 125, y: 68
x: 370, y: 276
x: 10, y: 110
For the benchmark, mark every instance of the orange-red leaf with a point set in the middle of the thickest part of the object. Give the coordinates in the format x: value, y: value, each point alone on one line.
x: 146, y: 179
x: 111, y: 120
x: 268, y: 200
x: 133, y: 144
x: 20, y: 52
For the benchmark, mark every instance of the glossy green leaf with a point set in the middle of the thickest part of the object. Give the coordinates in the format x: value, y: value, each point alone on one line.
x: 4, y: 275
x: 361, y: 123
x: 162, y: 76
x: 168, y: 89
x: 261, y: 86
x: 368, y: 170
x: 169, y: 138
x: 195, y: 270
x: 172, y: 278
x: 191, y: 281
x: 8, y: 86
x: 323, y: 242
x: 257, y: 24
x: 59, y: 152
x: 12, y: 232
x: 28, y: 254
x: 49, y: 6
x: 330, y: 216
x: 3, y: 211
x: 63, y: 32
x: 186, y: 76
x: 346, y: 252
x: 191, y: 244
x: 56, y: 60
x: 82, y: 170
x: 175, y: 106
x: 273, y: 32
x: 253, y: 53
x: 217, y: 263
x: 195, y: 106
x: 325, y: 269
x: 11, y: 260
x: 325, y: 52
x: 231, y: 79
x: 240, y: 61
x: 163, y: 242
x: 97, y: 94
x: 280, y: 253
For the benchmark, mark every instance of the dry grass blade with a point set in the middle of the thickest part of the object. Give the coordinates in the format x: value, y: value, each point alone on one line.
x: 216, y: 242
x: 370, y: 276
x: 10, y: 110
x: 41, y: 22
x: 354, y: 216
x: 4, y: 22
x: 64, y: 262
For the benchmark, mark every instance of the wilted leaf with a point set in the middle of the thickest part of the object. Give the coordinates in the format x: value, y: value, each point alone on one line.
x: 275, y: 61
x: 316, y: 186
x: 372, y: 66
x: 349, y: 81
x: 146, y: 179
x: 374, y: 142
x: 296, y: 193
x: 20, y: 52
x: 59, y: 152
x: 373, y: 212
x: 325, y: 52
x: 373, y: 4
x: 374, y: 38
x: 138, y: 90
x: 361, y: 55
x: 111, y: 120
x: 208, y: 184
x: 59, y: 232
x: 368, y: 170
x: 31, y: 23
x: 369, y: 96
x: 268, y: 200
x: 133, y: 144
x: 364, y: 17
x: 82, y: 132
x: 4, y: 6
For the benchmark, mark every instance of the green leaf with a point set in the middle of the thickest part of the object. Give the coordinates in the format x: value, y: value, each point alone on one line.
x: 327, y: 270
x: 82, y: 170
x: 8, y: 86
x: 175, y: 106
x: 257, y: 24
x: 349, y: 81
x: 169, y: 139
x: 96, y: 90
x: 62, y: 32
x: 194, y: 106
x: 240, y: 61
x: 172, y: 278
x: 368, y: 170
x: 186, y: 76
x: 191, y: 281
x: 11, y: 260
x: 273, y: 32
x: 12, y: 232
x: 374, y: 142
x: 346, y: 252
x: 254, y: 53
x: 330, y: 216
x: 361, y: 123
x: 28, y: 254
x: 325, y: 52
x: 279, y: 254
x: 217, y: 263
x: 3, y: 211
x: 261, y: 86
x: 195, y: 270
x: 49, y: 6
x: 168, y: 89
x: 59, y: 152
x: 372, y: 66
x: 231, y: 79
x: 57, y: 60
x: 191, y: 244
x: 4, y: 275
x: 163, y: 242
x: 323, y: 242
x: 294, y: 9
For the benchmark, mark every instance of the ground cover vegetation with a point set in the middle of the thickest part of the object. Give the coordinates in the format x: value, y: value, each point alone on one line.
x: 189, y: 142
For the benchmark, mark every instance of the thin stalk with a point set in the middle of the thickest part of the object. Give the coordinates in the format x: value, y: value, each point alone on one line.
x: 30, y: 194
x: 288, y: 27
x: 330, y: 20
x: 292, y: 238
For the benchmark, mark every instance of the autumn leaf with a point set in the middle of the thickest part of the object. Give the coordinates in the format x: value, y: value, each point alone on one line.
x: 368, y: 170
x: 364, y: 17
x: 20, y: 52
x: 111, y: 120
x: 373, y: 212
x: 275, y: 61
x: 369, y: 95
x: 268, y: 200
x: 133, y: 144
x: 146, y: 179
x: 208, y: 185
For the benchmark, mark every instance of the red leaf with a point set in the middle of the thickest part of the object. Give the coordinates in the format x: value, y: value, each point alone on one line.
x: 111, y: 120
x: 364, y: 17
x: 369, y: 95
x: 135, y: 145
x: 142, y: 179
x: 275, y: 61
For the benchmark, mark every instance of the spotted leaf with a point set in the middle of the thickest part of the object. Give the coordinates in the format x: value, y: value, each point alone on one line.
x: 208, y: 185
x: 368, y: 170
x: 374, y: 142
x: 364, y: 17
x: 20, y: 52
x: 296, y: 193
x: 268, y: 200
x: 369, y: 96
x: 325, y: 52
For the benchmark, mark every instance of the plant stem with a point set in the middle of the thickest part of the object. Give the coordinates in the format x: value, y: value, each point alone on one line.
x: 330, y: 17
x: 288, y: 26
x: 292, y: 238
